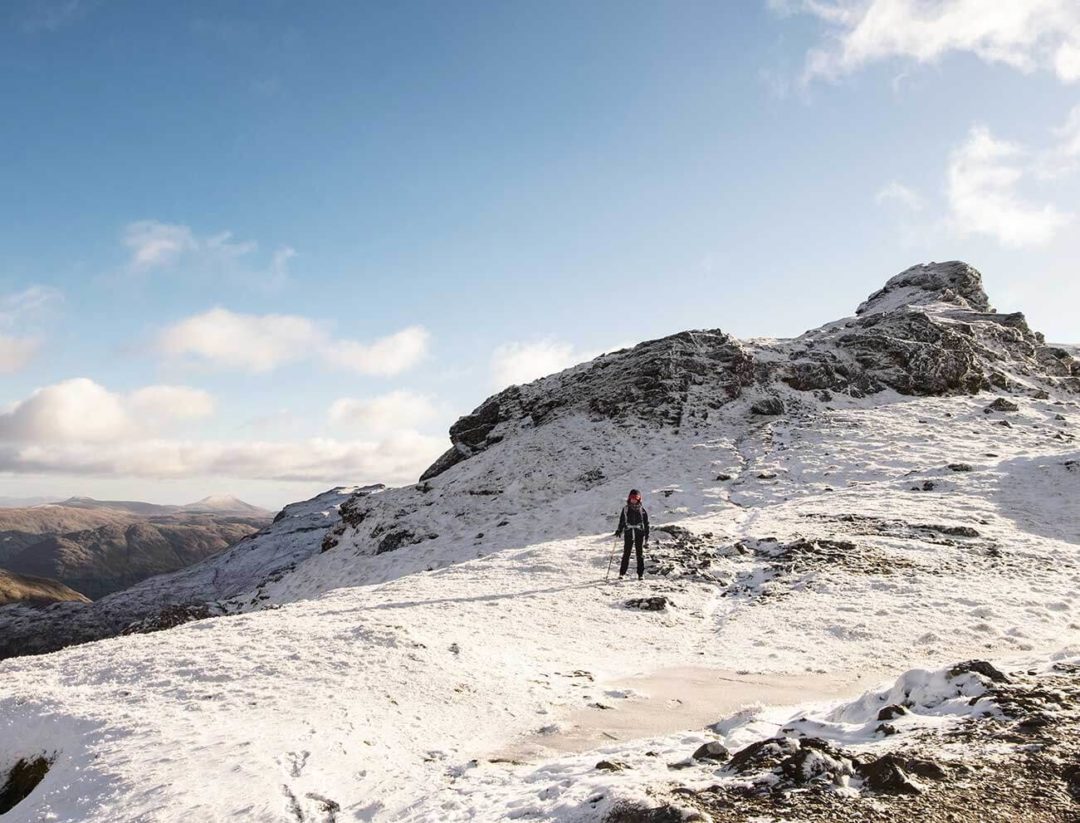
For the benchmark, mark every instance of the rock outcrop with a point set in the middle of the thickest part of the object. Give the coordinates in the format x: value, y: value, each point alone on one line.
x: 930, y: 331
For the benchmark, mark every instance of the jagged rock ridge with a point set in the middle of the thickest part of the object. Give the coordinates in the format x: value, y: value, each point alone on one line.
x: 930, y: 331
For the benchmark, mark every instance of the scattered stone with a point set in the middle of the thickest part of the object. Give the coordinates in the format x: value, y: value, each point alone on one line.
x: 769, y: 407
x: 960, y: 467
x: 1002, y: 405
x: 767, y: 476
x: 886, y: 775
x: 656, y: 603
x: 625, y: 812
x: 1005, y: 423
x: 764, y: 754
x: 722, y: 478
x: 928, y: 485
x: 892, y: 712
x: 611, y: 766
x: 712, y: 750
x: 170, y: 617
x: 1041, y: 394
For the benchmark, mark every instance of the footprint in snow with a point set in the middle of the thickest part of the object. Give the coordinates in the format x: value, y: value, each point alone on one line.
x: 294, y: 762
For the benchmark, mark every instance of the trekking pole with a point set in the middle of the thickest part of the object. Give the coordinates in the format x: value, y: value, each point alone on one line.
x: 614, y: 546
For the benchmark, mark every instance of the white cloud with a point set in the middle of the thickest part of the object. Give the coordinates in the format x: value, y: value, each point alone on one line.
x: 16, y: 352
x: 82, y: 411
x: 262, y: 343
x: 387, y: 412
x: 397, y: 459
x: 518, y: 362
x: 896, y: 192
x: 157, y: 245
x: 79, y: 427
x: 171, y: 403
x: 1027, y: 35
x: 385, y: 357
x: 983, y: 177
x: 77, y: 410
x: 257, y: 343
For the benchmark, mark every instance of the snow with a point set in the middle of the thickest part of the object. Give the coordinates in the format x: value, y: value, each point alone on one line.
x: 453, y: 651
x: 387, y: 689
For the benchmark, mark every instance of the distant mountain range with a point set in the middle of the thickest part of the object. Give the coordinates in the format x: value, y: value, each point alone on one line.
x: 97, y: 547
x: 222, y: 504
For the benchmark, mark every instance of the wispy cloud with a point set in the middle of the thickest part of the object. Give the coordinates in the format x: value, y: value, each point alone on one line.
x: 51, y: 15
x: 21, y: 314
x: 154, y: 245
x: 1030, y: 35
x: 896, y: 192
x: 262, y: 343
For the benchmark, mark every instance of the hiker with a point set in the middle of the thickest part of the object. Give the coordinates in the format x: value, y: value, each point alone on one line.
x: 634, y: 523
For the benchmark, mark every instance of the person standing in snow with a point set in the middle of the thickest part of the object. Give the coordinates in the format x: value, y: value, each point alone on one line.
x: 634, y: 523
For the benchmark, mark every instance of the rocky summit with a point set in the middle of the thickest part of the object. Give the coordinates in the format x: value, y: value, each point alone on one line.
x: 930, y: 331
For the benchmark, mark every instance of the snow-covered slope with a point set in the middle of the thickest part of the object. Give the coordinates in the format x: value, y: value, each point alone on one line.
x: 293, y: 536
x: 837, y: 509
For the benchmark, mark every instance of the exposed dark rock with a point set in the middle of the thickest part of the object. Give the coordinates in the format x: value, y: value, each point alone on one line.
x: 394, y: 540
x: 978, y: 667
x: 762, y: 755
x: 656, y: 381
x: 611, y: 766
x: 768, y: 407
x: 886, y: 775
x: 21, y: 780
x: 1002, y: 405
x: 713, y: 750
x: 959, y: 467
x: 170, y: 617
x: 657, y: 603
x: 624, y: 812
x: 953, y: 282
x: 815, y: 760
x: 892, y: 712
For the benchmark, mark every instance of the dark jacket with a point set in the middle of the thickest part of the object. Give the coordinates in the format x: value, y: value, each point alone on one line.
x: 635, y: 519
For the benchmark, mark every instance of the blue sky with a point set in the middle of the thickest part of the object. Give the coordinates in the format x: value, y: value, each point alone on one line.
x: 265, y: 248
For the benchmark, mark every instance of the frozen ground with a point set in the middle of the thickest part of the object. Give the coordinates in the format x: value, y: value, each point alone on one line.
x: 451, y: 651
x: 382, y: 691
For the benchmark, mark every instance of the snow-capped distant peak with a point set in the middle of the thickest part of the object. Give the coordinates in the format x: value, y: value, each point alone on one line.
x: 223, y: 503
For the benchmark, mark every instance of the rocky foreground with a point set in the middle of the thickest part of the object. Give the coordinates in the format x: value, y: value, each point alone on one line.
x: 1013, y: 755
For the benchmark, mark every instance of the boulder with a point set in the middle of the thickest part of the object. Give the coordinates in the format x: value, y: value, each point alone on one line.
x: 656, y: 603
x: 713, y: 750
x: 768, y: 407
x: 892, y: 712
x: 886, y: 775
x: 1002, y: 405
